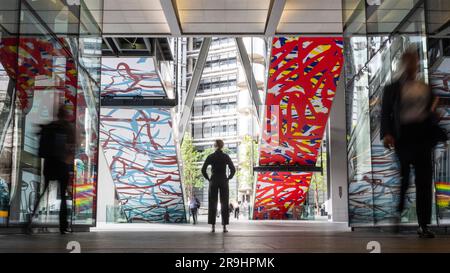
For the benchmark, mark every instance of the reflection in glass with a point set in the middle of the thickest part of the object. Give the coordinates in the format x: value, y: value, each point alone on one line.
x: 56, y: 66
x: 373, y: 170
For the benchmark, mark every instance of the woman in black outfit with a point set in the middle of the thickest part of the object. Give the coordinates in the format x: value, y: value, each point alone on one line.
x: 218, y: 183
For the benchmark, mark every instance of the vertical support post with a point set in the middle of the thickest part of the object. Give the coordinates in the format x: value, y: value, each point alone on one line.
x: 193, y: 86
x: 251, y: 82
x: 338, y: 156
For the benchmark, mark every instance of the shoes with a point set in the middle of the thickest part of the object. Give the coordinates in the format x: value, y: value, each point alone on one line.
x: 396, y: 225
x: 225, y: 230
x: 29, y: 230
x: 213, y: 229
x: 64, y: 231
x: 425, y: 233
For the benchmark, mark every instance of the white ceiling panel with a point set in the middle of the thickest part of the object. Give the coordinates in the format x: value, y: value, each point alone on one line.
x: 222, y: 28
x: 223, y: 4
x: 307, y: 16
x: 134, y: 16
x: 310, y: 28
x: 313, y: 4
x: 136, y: 29
x: 217, y: 16
x: 132, y: 4
x: 221, y: 16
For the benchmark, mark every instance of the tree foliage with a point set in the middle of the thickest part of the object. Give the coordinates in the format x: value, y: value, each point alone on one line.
x: 318, y: 181
x: 248, y: 155
x: 192, y: 177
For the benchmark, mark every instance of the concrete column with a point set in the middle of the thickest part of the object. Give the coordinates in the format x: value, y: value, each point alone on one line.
x: 337, y: 154
x: 105, y: 188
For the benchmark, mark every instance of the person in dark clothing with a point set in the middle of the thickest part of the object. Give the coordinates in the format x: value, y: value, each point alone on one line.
x: 231, y: 209
x: 56, y: 147
x: 194, y: 205
x: 236, y: 210
x: 218, y: 183
x: 406, y: 122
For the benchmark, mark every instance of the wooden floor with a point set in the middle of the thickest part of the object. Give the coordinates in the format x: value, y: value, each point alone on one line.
x: 243, y: 236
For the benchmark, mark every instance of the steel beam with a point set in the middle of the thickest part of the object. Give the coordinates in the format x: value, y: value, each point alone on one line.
x: 251, y: 82
x: 170, y: 11
x: 137, y: 101
x: 193, y: 86
x: 275, y: 11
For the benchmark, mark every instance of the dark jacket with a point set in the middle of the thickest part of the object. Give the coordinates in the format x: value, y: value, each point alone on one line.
x: 218, y: 161
x: 390, y: 110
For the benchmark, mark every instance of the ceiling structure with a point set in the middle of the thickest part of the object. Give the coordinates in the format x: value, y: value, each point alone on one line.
x: 383, y: 17
x: 438, y: 14
x: 136, y: 46
x: 221, y: 17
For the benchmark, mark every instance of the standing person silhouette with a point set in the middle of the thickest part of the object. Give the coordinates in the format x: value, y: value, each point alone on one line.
x: 218, y: 183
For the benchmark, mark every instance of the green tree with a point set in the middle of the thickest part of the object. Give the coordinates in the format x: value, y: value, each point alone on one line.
x: 192, y: 177
x: 248, y: 155
x: 318, y: 182
x: 204, y: 154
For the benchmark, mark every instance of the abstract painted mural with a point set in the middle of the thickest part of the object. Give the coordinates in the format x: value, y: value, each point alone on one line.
x: 140, y: 150
x: 84, y: 188
x: 442, y: 169
x: 303, y: 77
x: 440, y: 78
x: 43, y: 64
x: 130, y: 77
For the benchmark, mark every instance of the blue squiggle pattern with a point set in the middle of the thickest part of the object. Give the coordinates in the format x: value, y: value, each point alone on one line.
x: 130, y: 77
x: 141, y: 153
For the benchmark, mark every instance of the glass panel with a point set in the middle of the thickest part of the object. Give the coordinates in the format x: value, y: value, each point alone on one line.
x: 48, y: 79
x: 59, y: 16
x: 87, y: 111
x: 9, y: 18
x: 56, y: 67
x: 384, y: 16
x: 355, y: 39
x: 438, y: 16
x: 373, y: 170
x: 359, y: 151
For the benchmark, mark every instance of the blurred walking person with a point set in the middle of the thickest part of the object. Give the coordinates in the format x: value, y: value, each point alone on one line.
x: 218, y: 183
x: 56, y: 147
x: 409, y: 126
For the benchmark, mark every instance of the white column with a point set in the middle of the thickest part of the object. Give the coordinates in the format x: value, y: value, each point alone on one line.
x: 105, y: 188
x: 338, y: 157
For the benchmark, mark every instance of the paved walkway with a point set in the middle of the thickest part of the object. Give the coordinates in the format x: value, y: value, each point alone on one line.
x: 243, y: 236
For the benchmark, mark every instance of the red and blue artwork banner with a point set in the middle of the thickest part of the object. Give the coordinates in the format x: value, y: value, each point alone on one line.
x: 303, y: 76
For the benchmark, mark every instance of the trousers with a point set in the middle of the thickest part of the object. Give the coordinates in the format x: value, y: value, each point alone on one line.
x: 414, y: 150
x: 216, y: 187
